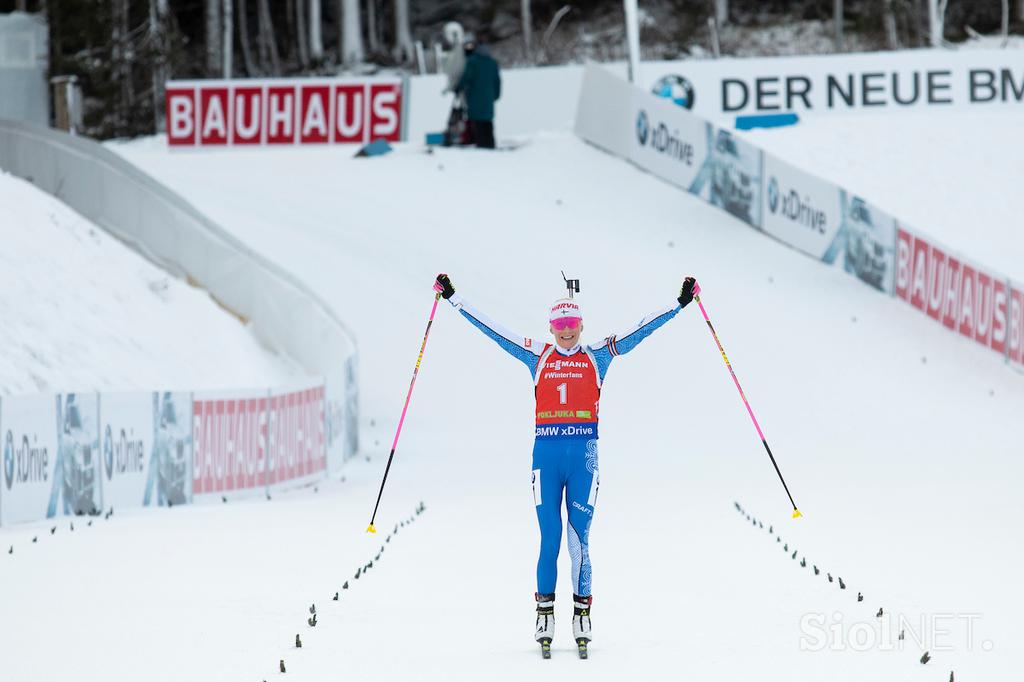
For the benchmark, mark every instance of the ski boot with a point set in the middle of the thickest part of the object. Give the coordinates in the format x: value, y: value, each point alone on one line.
x: 545, y: 622
x: 581, y: 622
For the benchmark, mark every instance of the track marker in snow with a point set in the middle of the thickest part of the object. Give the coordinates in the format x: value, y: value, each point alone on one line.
x: 925, y: 658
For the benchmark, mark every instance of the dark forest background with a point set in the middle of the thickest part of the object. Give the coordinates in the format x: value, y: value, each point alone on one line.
x: 123, y: 50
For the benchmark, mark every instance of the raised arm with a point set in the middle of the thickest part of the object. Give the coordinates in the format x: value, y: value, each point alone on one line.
x: 620, y: 344
x: 521, y: 348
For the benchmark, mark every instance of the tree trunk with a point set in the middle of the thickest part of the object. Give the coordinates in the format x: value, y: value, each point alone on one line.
x: 300, y: 33
x: 403, y: 50
x: 1005, y: 25
x: 722, y: 12
x: 837, y: 18
x: 243, y: 38
x: 213, y: 37
x: 158, y: 74
x: 889, y: 22
x: 268, y: 44
x: 371, y: 26
x: 1020, y: 10
x: 931, y: 22
x: 229, y: 43
x: 120, y: 65
x: 527, y: 31
x: 290, y: 45
x: 316, y: 40
x: 351, y: 33
x: 20, y: 6
x: 936, y: 21
x: 919, y: 20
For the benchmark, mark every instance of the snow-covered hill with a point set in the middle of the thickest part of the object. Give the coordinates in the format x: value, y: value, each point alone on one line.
x: 899, y: 441
x: 83, y: 312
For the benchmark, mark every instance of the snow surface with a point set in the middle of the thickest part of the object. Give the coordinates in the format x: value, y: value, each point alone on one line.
x: 955, y: 176
x: 82, y: 311
x: 900, y: 442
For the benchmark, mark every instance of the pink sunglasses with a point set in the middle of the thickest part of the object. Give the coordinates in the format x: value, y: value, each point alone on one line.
x: 566, y: 323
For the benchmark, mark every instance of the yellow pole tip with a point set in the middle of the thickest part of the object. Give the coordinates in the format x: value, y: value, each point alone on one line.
x: 371, y: 529
x: 796, y: 513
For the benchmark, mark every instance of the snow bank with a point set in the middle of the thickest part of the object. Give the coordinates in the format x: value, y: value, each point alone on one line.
x: 83, y: 312
x: 899, y: 440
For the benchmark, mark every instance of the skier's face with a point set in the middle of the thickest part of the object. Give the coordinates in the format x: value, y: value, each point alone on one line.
x: 567, y: 338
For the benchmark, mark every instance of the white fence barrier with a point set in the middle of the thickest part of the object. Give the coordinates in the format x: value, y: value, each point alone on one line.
x: 81, y: 453
x: 804, y: 211
x: 283, y: 312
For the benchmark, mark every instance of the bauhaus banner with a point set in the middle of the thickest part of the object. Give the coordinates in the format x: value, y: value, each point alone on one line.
x: 218, y: 113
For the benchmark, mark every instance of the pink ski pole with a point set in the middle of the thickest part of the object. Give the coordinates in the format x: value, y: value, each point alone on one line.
x: 714, y: 334
x: 408, y: 396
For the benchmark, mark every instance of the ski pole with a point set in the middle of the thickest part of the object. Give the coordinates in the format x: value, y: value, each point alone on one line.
x: 408, y: 396
x: 696, y: 297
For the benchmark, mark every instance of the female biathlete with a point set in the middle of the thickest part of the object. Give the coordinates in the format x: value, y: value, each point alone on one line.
x: 567, y: 378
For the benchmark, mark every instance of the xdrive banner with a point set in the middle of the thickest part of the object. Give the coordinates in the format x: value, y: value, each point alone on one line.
x: 724, y: 89
x: 218, y: 113
x: 146, y: 448
x: 81, y: 453
x: 804, y: 211
x: 50, y: 457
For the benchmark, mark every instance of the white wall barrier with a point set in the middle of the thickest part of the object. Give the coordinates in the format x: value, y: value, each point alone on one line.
x: 80, y: 453
x: 801, y: 210
x: 284, y: 313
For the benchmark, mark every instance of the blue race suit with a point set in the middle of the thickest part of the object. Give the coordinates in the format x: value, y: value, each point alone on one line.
x: 565, y: 455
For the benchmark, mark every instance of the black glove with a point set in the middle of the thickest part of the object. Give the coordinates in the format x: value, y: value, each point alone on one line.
x: 687, y: 292
x: 443, y: 286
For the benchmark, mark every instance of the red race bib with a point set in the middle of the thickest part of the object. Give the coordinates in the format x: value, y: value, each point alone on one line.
x: 567, y: 390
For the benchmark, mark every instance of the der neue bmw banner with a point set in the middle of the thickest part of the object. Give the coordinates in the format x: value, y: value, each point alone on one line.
x: 914, y: 80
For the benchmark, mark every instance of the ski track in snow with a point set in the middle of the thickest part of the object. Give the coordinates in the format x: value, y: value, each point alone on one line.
x: 899, y: 441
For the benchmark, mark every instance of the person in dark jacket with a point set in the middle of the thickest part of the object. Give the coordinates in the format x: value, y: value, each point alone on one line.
x: 481, y: 85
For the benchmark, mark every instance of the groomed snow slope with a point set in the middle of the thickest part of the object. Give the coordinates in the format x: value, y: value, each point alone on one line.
x: 83, y: 312
x: 899, y: 441
x: 954, y: 176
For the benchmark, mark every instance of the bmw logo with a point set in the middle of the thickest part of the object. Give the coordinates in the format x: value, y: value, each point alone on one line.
x: 677, y: 89
x: 108, y: 452
x: 9, y: 459
x: 643, y: 128
x: 773, y: 195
